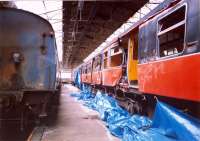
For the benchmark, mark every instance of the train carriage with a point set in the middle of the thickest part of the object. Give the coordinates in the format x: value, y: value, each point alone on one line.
x: 28, y: 61
x: 157, y: 58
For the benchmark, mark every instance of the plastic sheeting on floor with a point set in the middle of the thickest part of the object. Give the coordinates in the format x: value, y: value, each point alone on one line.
x: 167, y: 124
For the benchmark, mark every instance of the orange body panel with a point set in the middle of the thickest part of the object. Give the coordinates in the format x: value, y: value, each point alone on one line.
x: 89, y: 78
x: 111, y: 76
x: 83, y: 78
x: 86, y: 78
x: 177, y: 77
x: 96, y: 78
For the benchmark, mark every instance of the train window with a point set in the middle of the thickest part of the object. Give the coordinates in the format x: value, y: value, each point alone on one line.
x: 89, y: 68
x: 171, y: 33
x: 85, y: 70
x: 116, y: 60
x: 116, y: 57
x: 105, y: 54
x: 82, y: 70
x: 105, y: 60
x: 97, y: 64
x: 116, y: 50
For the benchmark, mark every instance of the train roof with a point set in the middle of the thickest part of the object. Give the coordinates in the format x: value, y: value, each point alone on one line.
x: 29, y: 13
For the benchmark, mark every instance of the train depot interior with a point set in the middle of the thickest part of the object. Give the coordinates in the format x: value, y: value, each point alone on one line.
x: 87, y: 70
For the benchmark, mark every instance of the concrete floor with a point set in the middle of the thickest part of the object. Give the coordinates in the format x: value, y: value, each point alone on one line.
x: 76, y: 122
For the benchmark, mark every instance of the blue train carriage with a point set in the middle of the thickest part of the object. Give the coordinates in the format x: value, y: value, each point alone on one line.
x: 28, y: 61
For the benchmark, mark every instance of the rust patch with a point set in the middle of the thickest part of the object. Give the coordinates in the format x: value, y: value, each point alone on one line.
x: 9, y: 73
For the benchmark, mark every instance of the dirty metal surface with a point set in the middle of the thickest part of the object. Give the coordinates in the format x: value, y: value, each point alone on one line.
x: 27, y: 51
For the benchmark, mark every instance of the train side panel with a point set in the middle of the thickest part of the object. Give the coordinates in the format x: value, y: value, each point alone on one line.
x: 83, y: 78
x: 96, y: 77
x: 173, y: 70
x: 89, y: 78
x: 172, y: 78
x: 111, y: 76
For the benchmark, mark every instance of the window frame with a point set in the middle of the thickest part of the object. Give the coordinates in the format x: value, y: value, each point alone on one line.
x: 158, y: 33
x: 83, y: 70
x: 120, y: 51
x: 89, y: 67
x: 97, y: 60
x: 107, y: 58
x: 113, y: 53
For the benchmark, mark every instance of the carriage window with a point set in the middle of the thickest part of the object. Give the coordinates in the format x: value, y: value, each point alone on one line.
x: 84, y: 70
x: 172, y: 32
x: 116, y: 50
x: 89, y: 68
x: 97, y: 64
x: 116, y: 57
x: 105, y: 59
x: 105, y: 54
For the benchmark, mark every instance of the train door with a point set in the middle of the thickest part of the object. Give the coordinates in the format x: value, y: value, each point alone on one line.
x: 90, y: 72
x: 105, y: 65
x: 132, y: 60
x: 105, y: 59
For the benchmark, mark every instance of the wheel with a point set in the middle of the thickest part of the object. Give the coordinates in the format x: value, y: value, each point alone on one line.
x: 134, y: 107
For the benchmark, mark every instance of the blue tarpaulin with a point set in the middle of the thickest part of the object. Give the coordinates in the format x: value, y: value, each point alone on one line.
x: 77, y: 79
x: 167, y: 124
